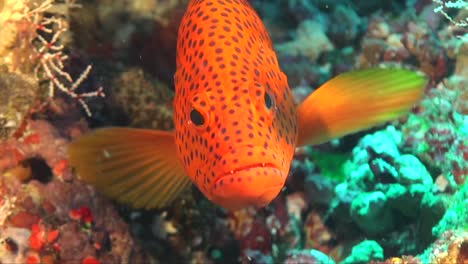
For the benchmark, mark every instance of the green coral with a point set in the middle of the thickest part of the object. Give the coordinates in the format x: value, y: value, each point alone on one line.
x: 331, y: 165
x: 370, y: 212
x: 456, y: 217
x: 365, y: 252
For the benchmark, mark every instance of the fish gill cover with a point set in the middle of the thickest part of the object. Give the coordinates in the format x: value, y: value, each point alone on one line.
x: 395, y: 193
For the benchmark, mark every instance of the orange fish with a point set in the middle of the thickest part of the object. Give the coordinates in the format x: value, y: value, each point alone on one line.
x: 236, y: 124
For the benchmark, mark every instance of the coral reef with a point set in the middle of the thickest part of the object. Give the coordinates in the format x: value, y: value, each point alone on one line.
x: 365, y: 252
x: 17, y: 94
x: 393, y: 194
x: 310, y: 42
x: 452, y: 247
x: 48, y: 215
x: 385, y: 190
x: 146, y: 102
x: 456, y: 216
x: 36, y: 37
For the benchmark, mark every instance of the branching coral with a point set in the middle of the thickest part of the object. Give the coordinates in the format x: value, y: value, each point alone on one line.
x: 35, y: 44
x: 458, y: 4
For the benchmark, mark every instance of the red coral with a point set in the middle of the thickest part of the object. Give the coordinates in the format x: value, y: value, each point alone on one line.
x: 97, y: 246
x: 40, y: 237
x: 33, y: 259
x: 60, y: 167
x: 90, y: 260
x: 440, y: 138
x: 56, y: 247
x: 37, y: 239
x: 83, y: 215
x: 52, y: 236
x: 32, y: 139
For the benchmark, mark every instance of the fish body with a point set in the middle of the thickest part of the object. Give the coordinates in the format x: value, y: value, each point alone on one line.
x: 236, y: 124
x: 229, y: 77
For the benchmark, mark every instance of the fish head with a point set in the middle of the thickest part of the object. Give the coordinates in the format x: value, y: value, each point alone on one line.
x: 237, y: 141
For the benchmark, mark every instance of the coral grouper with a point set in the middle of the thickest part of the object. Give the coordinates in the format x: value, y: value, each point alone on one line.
x: 236, y: 124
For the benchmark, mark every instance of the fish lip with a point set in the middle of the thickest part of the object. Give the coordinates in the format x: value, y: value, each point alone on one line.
x: 252, y: 195
x: 246, y: 167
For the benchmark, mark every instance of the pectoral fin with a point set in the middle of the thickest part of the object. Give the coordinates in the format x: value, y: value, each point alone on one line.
x: 135, y: 166
x: 357, y: 100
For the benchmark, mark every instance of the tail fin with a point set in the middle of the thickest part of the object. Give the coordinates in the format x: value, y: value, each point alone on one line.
x: 135, y: 166
x: 357, y: 100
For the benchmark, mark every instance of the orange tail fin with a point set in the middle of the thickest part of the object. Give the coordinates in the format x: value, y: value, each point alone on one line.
x: 135, y: 166
x: 357, y: 100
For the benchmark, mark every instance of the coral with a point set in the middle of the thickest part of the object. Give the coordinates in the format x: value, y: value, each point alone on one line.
x: 345, y: 25
x: 109, y: 12
x: 302, y: 72
x: 398, y: 260
x: 402, y: 40
x: 154, y: 10
x: 451, y: 247
x: 40, y: 140
x: 277, y: 232
x: 35, y: 45
x: 387, y: 195
x: 384, y: 189
x: 142, y: 33
x: 51, y: 216
x: 252, y: 234
x: 14, y: 243
x: 365, y: 252
x: 146, y: 102
x: 307, y: 256
x: 317, y: 234
x: 310, y: 42
x: 17, y: 94
x: 444, y: 5
x: 456, y: 216
x: 369, y: 210
x: 436, y: 132
x: 10, y: 11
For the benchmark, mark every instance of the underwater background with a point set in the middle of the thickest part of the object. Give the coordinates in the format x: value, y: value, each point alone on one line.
x: 392, y: 194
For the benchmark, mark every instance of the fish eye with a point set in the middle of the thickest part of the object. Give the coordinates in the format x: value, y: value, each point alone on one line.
x: 268, y: 100
x: 196, y: 117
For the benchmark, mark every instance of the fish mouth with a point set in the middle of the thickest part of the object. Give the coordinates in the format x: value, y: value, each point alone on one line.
x: 256, y: 184
x: 244, y: 168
